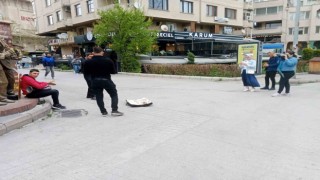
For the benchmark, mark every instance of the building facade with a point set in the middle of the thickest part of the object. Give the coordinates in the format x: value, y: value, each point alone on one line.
x: 71, y: 20
x: 275, y: 21
x: 18, y: 25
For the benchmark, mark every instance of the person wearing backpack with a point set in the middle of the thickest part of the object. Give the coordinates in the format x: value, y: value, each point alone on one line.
x: 48, y: 63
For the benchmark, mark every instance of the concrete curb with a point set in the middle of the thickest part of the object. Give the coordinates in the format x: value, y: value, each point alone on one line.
x: 206, y: 78
x: 25, y: 118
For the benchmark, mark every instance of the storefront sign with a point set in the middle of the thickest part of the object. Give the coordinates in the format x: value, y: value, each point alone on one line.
x: 165, y: 35
x: 24, y: 18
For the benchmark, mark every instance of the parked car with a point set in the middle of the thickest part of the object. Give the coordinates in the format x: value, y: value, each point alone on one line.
x: 26, y: 61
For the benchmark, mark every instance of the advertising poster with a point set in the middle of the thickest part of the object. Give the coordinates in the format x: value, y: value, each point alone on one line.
x: 247, y: 49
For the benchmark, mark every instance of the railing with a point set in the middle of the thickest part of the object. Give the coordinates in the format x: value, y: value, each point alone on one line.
x: 267, y: 30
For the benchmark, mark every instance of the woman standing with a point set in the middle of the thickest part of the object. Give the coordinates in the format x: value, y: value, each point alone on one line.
x: 286, y: 69
x: 248, y: 67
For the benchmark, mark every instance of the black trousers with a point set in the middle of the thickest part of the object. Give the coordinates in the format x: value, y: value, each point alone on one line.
x: 270, y: 75
x: 90, y: 92
x: 44, y: 93
x: 284, y: 81
x: 100, y: 84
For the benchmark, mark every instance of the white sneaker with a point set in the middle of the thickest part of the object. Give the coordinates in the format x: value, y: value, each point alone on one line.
x: 245, y: 89
x: 252, y: 90
x: 275, y: 94
x: 286, y: 94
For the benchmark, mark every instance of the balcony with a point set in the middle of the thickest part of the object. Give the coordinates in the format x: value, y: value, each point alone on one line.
x: 248, y: 6
x: 68, y: 38
x: 264, y: 31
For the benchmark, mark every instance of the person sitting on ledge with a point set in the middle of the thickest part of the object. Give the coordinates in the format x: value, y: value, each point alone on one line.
x: 35, y: 89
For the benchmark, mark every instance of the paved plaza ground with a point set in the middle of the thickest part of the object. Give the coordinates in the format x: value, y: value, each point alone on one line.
x: 195, y: 130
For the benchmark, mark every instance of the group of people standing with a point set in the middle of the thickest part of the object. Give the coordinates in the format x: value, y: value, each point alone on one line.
x: 97, y: 70
x: 284, y: 64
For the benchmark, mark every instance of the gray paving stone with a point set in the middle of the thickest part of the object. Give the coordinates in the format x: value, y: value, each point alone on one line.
x: 196, y: 129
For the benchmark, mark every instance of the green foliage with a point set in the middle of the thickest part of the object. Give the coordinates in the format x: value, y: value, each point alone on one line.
x: 307, y: 53
x: 64, y: 67
x: 316, y: 53
x: 130, y: 34
x: 129, y: 63
x: 215, y: 70
x: 303, y: 66
x: 191, y: 57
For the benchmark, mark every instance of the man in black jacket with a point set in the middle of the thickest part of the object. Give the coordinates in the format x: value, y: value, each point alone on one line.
x: 100, y: 68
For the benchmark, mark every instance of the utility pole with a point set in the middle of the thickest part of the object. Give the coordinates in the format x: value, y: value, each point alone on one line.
x: 296, y: 27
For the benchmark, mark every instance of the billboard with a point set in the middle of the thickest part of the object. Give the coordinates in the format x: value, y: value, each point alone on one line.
x: 250, y: 48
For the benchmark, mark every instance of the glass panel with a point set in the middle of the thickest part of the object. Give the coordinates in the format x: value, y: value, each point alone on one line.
x: 272, y: 10
x: 261, y: 11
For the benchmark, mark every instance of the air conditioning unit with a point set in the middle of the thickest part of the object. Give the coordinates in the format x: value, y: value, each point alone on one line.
x: 67, y: 9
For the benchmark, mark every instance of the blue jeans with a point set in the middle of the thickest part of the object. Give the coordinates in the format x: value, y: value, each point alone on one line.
x: 100, y: 84
x: 76, y: 68
x: 48, y: 70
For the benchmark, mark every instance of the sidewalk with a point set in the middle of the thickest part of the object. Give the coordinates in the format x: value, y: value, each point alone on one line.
x: 195, y: 129
x: 18, y: 120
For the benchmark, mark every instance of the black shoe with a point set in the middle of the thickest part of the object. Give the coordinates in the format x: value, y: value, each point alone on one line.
x: 272, y: 89
x: 265, y: 88
x: 116, y: 113
x: 11, y: 93
x: 58, y: 106
x: 104, y: 114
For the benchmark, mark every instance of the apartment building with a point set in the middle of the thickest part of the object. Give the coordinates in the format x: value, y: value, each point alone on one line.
x: 274, y: 22
x: 71, y: 21
x: 18, y: 25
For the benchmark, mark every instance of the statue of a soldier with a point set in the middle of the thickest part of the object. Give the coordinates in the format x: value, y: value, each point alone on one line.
x: 8, y: 59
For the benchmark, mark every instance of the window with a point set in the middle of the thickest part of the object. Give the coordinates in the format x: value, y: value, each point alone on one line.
x: 261, y: 11
x: 48, y: 2
x: 78, y: 10
x: 186, y: 7
x: 90, y: 6
x: 272, y: 10
x: 268, y: 10
x: 158, y: 4
x: 273, y: 25
x: 26, y: 6
x: 317, y: 29
x: 303, y: 15
x: 302, y: 30
x: 50, y: 20
x: 59, y: 16
x: 230, y: 13
x: 212, y: 10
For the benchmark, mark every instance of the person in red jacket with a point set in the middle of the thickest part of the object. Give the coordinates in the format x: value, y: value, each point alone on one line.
x: 35, y: 89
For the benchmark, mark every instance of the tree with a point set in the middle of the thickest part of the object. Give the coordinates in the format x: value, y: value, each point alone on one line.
x: 128, y: 31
